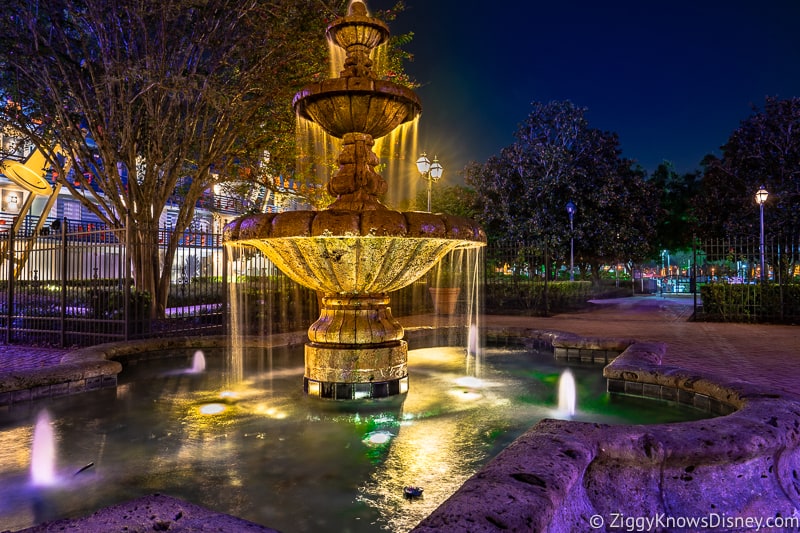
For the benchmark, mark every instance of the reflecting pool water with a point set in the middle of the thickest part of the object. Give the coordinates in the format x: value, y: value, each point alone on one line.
x: 266, y: 452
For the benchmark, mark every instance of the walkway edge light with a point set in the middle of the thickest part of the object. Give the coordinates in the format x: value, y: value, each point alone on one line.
x: 571, y: 210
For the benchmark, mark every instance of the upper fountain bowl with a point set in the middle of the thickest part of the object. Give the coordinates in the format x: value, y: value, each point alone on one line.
x: 357, y: 105
x: 357, y: 102
x: 358, y: 29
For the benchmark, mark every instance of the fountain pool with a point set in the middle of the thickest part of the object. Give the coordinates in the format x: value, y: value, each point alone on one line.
x: 266, y: 452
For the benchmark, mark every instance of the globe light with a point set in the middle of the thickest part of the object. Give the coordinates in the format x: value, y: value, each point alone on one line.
x: 761, y: 199
x: 431, y: 172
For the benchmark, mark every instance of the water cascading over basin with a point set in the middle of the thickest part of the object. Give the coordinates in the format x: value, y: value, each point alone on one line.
x: 356, y: 250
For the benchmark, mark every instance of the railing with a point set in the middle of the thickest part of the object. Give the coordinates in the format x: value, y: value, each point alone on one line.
x: 72, y: 285
x: 733, y: 288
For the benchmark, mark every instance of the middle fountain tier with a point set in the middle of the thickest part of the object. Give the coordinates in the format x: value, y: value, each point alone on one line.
x: 356, y: 250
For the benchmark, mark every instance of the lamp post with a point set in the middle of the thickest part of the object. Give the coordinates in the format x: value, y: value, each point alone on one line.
x: 571, y: 209
x: 761, y: 199
x: 429, y: 171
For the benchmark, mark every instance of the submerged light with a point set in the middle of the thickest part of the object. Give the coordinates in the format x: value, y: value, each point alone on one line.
x: 212, y: 408
x: 470, y: 381
x: 378, y: 437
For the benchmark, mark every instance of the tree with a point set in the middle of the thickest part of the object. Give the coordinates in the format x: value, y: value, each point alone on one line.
x: 676, y: 220
x: 149, y: 98
x: 763, y: 150
x: 522, y: 193
x: 450, y: 199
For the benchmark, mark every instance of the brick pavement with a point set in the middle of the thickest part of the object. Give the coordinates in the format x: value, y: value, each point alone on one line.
x: 767, y: 355
x: 14, y: 357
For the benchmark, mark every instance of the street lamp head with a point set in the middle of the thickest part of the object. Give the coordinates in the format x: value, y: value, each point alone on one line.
x: 761, y: 196
x: 423, y: 164
x: 436, y: 169
x: 571, y: 209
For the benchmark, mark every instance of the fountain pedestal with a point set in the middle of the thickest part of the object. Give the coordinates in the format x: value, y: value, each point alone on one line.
x: 356, y: 350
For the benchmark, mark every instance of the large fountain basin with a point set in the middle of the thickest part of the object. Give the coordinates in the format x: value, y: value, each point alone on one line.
x: 354, y: 252
x: 557, y: 475
x: 267, y: 453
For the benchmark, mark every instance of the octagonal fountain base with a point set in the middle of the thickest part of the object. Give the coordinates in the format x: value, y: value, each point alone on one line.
x: 356, y: 351
x: 355, y: 391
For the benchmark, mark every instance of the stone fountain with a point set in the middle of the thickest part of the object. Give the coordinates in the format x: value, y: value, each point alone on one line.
x: 356, y: 250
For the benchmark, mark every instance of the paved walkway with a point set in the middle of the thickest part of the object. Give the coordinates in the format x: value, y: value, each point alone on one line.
x: 16, y: 357
x: 768, y: 355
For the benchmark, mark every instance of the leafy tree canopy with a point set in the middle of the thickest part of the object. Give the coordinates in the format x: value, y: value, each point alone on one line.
x: 150, y: 97
x: 451, y: 199
x: 523, y: 192
x: 676, y: 219
x: 763, y: 150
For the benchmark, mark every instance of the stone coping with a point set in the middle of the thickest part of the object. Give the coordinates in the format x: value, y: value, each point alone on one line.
x: 70, y: 377
x: 576, y: 476
x: 560, y: 473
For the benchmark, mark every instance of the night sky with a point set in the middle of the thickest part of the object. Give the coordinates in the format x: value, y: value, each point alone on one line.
x: 673, y: 78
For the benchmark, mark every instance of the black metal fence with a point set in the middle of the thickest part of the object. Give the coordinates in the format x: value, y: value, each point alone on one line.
x: 733, y: 287
x: 525, y: 279
x: 72, y: 285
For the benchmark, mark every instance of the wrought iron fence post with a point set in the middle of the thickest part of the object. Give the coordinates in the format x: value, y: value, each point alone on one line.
x: 10, y: 286
x: 546, y: 269
x: 64, y: 255
x: 779, y: 276
x: 693, y: 283
x: 126, y: 294
x: 225, y: 308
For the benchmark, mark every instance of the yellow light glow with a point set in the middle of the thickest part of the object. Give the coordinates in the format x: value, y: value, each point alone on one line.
x: 275, y: 413
x: 465, y: 395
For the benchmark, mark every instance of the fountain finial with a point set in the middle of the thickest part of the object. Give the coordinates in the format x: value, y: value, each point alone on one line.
x: 358, y: 8
x: 358, y: 34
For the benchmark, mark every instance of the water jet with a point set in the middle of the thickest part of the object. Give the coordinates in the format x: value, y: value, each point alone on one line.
x: 198, y: 362
x: 567, y: 393
x: 43, y: 452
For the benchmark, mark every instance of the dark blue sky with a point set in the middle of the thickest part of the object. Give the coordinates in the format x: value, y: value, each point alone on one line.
x: 673, y: 78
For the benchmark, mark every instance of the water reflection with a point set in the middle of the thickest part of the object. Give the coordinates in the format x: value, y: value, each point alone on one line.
x: 268, y: 453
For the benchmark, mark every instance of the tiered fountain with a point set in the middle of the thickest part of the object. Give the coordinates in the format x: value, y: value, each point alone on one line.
x: 356, y: 250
